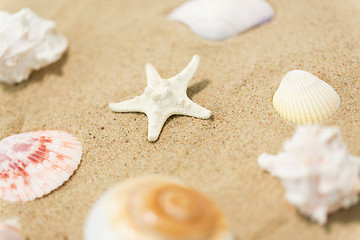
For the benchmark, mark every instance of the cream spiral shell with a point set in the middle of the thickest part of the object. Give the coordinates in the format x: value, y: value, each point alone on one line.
x: 155, y: 208
x: 303, y: 98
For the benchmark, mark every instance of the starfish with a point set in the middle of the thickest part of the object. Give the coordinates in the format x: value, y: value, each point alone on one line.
x: 163, y: 98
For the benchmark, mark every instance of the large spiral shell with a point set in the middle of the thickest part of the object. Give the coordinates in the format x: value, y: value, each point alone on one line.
x: 158, y: 208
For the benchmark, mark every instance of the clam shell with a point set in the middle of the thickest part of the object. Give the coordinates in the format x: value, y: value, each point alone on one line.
x: 303, y: 98
x: 155, y: 208
x: 10, y: 230
x: 35, y: 163
x: 221, y: 19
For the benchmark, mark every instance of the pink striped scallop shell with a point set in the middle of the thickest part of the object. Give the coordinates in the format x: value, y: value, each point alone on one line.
x: 33, y: 164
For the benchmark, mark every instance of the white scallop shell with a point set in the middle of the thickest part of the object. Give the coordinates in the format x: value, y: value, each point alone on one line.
x: 303, y: 98
x: 10, y: 230
x: 27, y: 42
x: 221, y: 19
x: 316, y: 169
x: 35, y: 163
x: 155, y: 208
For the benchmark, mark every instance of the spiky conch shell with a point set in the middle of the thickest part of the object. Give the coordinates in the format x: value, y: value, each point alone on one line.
x: 316, y: 169
x: 10, y: 230
x: 27, y: 42
x: 220, y: 19
x: 303, y: 98
x: 155, y: 208
x: 33, y: 164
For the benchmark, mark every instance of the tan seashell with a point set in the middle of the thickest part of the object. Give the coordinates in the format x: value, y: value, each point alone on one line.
x: 303, y: 98
x: 155, y: 208
x: 10, y: 230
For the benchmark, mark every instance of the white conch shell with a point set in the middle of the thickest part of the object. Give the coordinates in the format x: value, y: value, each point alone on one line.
x: 317, y: 171
x: 27, y: 42
x: 303, y: 98
x: 10, y: 230
x: 155, y: 208
x: 221, y: 19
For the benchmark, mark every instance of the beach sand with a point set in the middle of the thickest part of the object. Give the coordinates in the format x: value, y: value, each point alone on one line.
x: 110, y: 43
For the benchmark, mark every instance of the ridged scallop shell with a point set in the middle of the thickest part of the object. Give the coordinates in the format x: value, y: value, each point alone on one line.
x: 320, y: 176
x: 155, y: 208
x: 221, y: 19
x: 10, y: 230
x: 303, y: 98
x: 35, y: 163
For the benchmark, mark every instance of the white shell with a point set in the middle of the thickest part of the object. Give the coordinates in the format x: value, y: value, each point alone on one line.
x: 155, y: 208
x: 317, y: 171
x: 221, y: 19
x: 35, y: 163
x: 303, y: 98
x: 27, y: 42
x: 10, y: 230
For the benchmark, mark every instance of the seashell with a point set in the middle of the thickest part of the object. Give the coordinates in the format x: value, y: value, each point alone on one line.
x: 27, y: 42
x: 10, y: 230
x: 155, y: 208
x: 35, y: 163
x: 220, y: 19
x: 316, y: 169
x: 303, y: 98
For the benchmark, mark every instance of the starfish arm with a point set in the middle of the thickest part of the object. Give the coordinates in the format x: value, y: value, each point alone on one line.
x: 133, y: 105
x: 194, y: 110
x: 187, y: 74
x: 152, y: 76
x: 155, y: 124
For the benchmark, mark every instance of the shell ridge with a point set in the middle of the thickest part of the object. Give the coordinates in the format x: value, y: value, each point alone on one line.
x: 20, y: 173
x: 325, y: 108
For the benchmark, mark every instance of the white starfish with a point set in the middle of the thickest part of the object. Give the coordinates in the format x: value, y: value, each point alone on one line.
x: 163, y: 98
